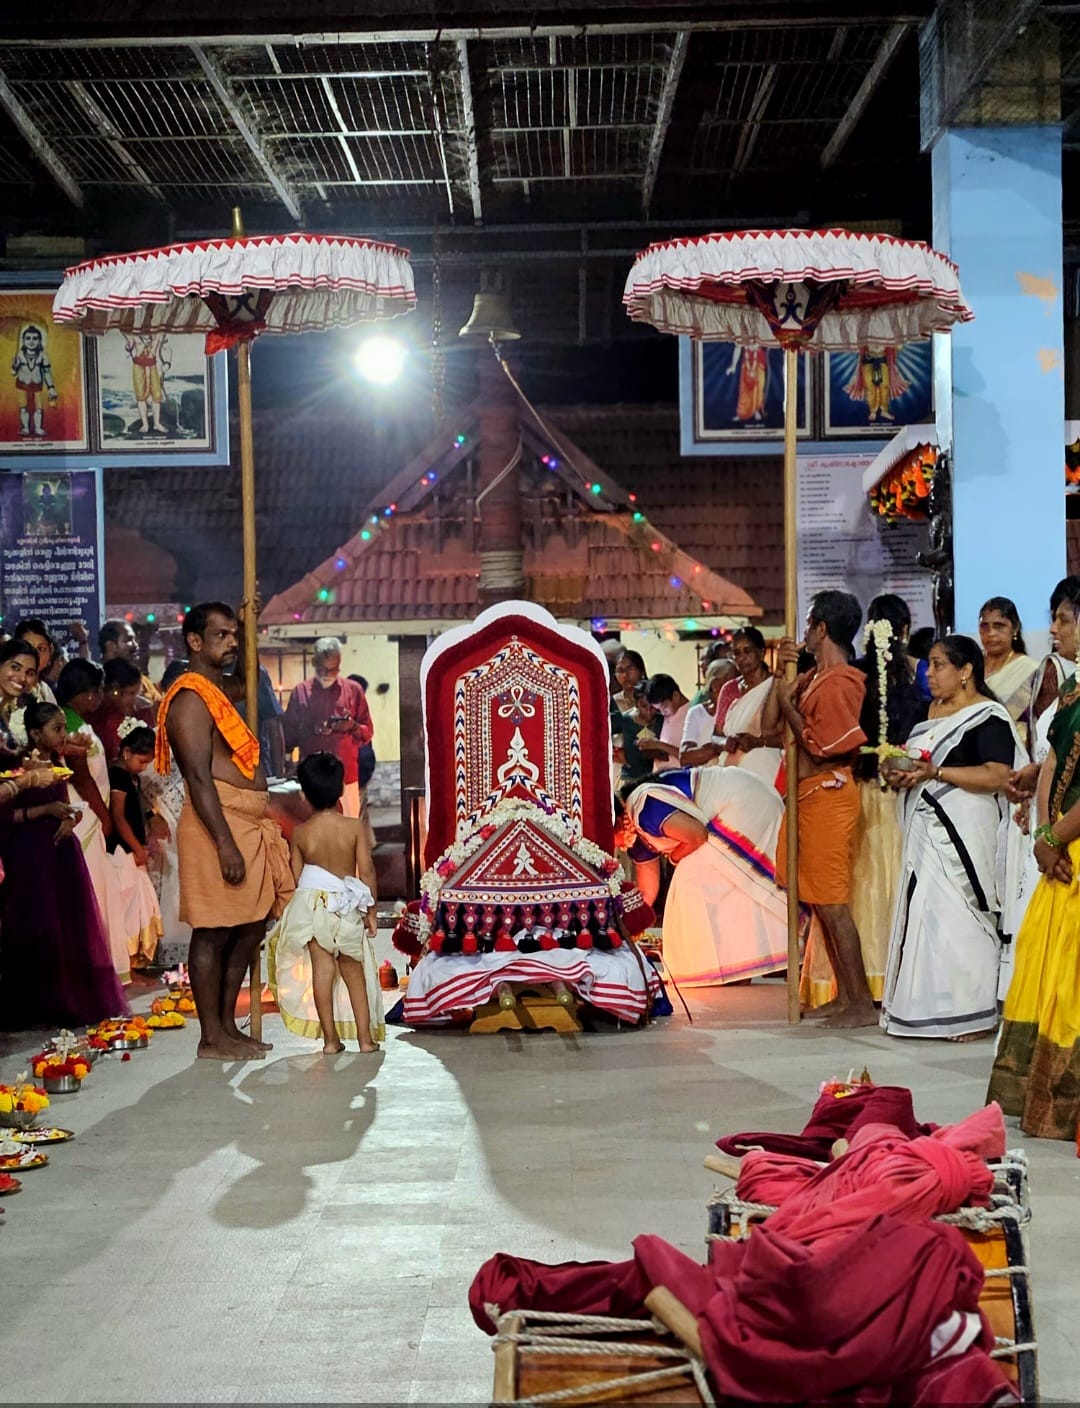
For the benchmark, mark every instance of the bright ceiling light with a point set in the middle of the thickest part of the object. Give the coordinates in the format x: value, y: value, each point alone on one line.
x: 380, y: 360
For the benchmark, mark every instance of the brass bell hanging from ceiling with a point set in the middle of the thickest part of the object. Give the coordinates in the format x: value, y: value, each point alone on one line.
x: 490, y: 318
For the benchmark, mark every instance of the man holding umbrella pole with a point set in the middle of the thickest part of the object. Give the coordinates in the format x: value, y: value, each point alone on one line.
x: 821, y: 707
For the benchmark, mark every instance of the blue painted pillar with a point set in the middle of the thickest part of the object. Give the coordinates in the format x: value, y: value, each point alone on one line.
x: 997, y: 214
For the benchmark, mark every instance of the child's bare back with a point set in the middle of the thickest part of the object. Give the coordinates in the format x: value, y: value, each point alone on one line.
x: 336, y: 843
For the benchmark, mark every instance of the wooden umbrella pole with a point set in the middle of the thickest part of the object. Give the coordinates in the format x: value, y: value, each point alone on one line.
x: 791, y: 623
x: 251, y: 625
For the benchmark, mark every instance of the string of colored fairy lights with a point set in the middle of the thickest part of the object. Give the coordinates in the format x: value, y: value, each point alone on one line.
x: 641, y: 531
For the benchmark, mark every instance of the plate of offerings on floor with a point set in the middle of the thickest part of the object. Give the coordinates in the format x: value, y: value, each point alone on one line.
x: 17, y: 1158
x: 46, y: 1134
x: 21, y: 1103
x: 178, y: 1004
x: 8, y: 1185
x: 92, y: 1047
x: 124, y: 1033
x: 165, y: 1021
x: 61, y: 1072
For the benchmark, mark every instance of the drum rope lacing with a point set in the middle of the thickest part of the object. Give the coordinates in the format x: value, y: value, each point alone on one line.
x: 561, y: 1339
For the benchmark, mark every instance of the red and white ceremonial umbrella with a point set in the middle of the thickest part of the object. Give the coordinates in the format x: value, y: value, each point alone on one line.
x: 233, y: 290
x: 802, y: 290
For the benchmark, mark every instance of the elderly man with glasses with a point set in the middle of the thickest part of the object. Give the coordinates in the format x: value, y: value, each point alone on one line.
x: 329, y: 713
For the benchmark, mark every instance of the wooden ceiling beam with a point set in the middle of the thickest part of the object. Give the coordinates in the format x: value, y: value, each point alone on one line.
x: 859, y: 103
x: 124, y: 23
x: 663, y: 118
x: 39, y: 145
x: 225, y: 95
x: 468, y: 111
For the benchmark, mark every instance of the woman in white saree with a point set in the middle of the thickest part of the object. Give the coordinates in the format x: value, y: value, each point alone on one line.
x: 942, y: 972
x: 724, y: 920
x: 740, y: 707
x: 1007, y: 666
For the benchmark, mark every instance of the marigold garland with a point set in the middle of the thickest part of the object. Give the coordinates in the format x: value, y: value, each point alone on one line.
x: 904, y: 492
x: 53, y: 1065
x: 22, y: 1098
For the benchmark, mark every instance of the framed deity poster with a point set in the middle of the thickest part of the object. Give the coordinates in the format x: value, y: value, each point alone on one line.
x: 877, y: 390
x: 51, y: 547
x: 739, y: 392
x: 153, y: 392
x: 42, y: 378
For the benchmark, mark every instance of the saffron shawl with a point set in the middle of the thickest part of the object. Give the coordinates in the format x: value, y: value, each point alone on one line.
x: 227, y: 721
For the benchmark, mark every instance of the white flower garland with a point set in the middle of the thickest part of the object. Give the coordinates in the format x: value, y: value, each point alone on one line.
x: 17, y: 728
x: 128, y: 726
x: 881, y: 633
x: 456, y: 854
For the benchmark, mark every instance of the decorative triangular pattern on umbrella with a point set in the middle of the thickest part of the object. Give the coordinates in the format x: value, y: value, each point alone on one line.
x: 816, y: 290
x: 826, y: 289
x: 279, y: 283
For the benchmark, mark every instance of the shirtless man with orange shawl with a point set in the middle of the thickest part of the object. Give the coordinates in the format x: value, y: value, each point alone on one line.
x: 822, y: 709
x: 234, y: 864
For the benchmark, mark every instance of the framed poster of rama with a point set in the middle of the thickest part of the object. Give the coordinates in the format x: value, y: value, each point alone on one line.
x: 42, y: 378
x: 152, y: 391
x: 125, y: 400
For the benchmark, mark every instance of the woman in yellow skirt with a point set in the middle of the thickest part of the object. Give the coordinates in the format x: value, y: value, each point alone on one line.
x: 1037, y: 1069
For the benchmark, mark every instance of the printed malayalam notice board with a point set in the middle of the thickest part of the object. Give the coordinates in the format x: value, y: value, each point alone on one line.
x: 842, y: 545
x: 50, y: 554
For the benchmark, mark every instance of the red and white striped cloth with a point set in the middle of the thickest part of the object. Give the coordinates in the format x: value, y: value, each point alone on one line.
x: 897, y: 291
x: 613, y: 982
x: 317, y: 281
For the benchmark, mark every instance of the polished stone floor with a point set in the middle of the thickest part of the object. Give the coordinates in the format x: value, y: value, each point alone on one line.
x: 305, y: 1229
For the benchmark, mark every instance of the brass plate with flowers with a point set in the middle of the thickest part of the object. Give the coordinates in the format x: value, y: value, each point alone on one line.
x: 50, y: 1134
x: 25, y: 1159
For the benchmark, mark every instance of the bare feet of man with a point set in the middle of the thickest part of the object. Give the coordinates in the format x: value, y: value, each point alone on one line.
x: 235, y: 1034
x: 367, y: 1046
x: 333, y: 1048
x: 227, y: 1050
x: 827, y: 1009
x: 858, y: 1014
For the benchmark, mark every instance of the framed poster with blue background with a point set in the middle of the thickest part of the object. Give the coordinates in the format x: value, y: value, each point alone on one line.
x: 739, y: 392
x: 52, y: 547
x: 878, y: 390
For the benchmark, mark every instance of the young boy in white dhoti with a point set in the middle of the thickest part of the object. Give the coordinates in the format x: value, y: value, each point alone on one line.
x: 330, y: 921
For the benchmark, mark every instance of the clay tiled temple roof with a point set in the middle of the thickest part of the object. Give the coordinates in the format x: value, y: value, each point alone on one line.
x: 318, y: 468
x: 726, y: 512
x: 416, y: 557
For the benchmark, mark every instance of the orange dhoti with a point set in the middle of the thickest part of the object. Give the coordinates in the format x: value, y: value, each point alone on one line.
x: 828, y: 818
x: 206, y: 901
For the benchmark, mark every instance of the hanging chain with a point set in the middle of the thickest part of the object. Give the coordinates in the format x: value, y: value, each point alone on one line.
x: 438, y: 351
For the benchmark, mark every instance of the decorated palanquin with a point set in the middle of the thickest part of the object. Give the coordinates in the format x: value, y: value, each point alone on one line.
x: 523, y: 910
